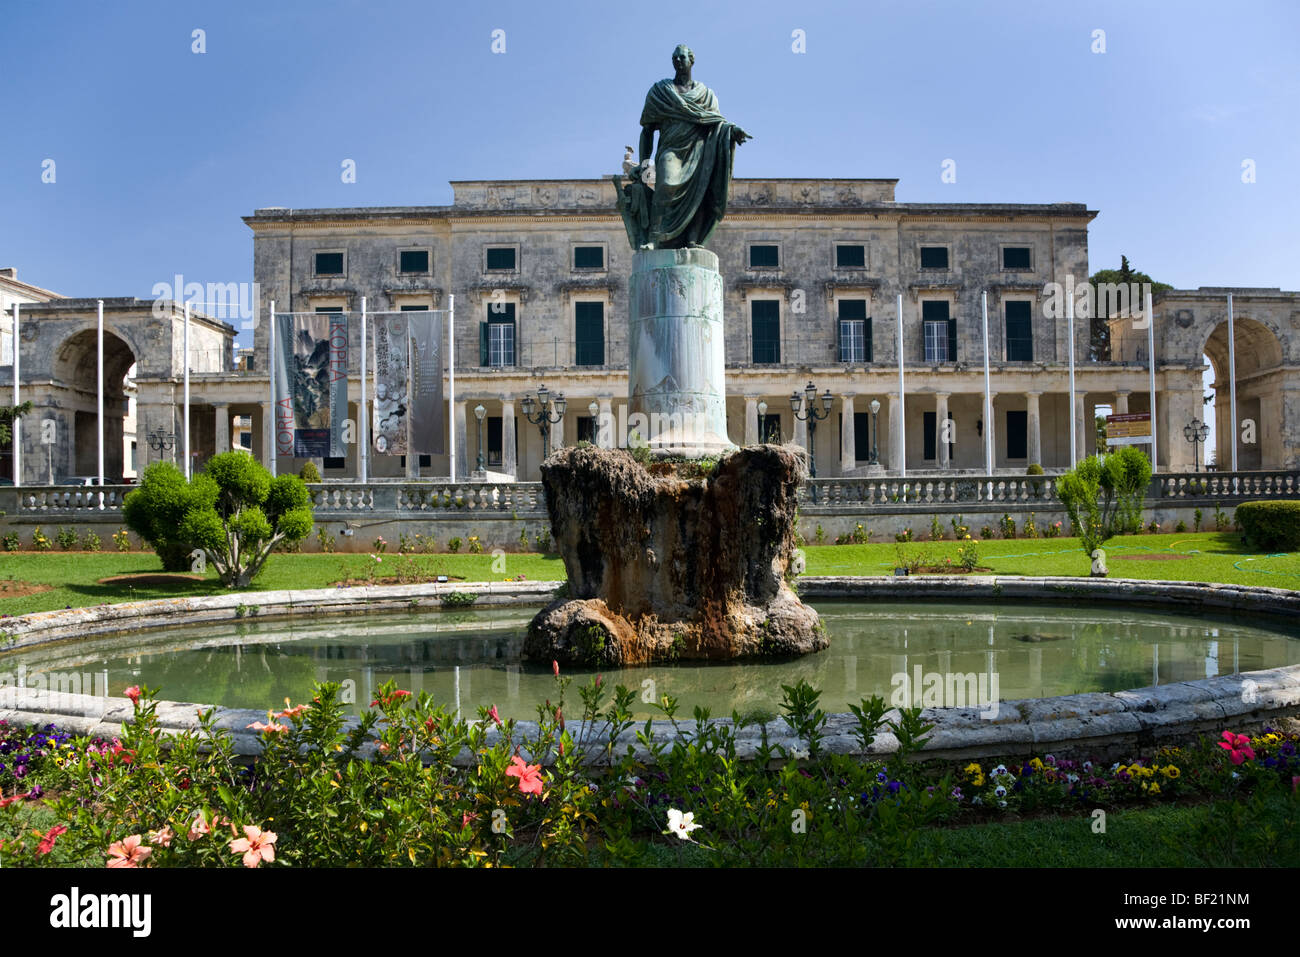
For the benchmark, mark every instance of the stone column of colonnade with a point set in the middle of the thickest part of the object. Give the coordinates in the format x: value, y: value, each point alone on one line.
x: 940, y: 425
x: 460, y: 425
x: 1081, y: 422
x: 606, y: 405
x: 751, y: 420
x: 509, y: 465
x: 1034, y: 426
x: 222, y: 412
x: 897, y: 433
x: 990, y: 433
x: 557, y: 434
x: 1121, y: 403
x: 848, y: 436
x: 801, y: 433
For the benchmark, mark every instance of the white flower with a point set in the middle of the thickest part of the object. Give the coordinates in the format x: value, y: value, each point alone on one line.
x: 799, y: 754
x: 1087, y: 765
x: 1114, y: 767
x: 998, y: 771
x: 1000, y: 791
x: 1002, y: 804
x: 681, y: 824
x: 1072, y: 778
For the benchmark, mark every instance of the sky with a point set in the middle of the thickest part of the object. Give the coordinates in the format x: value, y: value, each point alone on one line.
x: 158, y: 150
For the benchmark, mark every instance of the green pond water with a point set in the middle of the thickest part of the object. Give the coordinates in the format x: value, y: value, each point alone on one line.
x: 471, y: 658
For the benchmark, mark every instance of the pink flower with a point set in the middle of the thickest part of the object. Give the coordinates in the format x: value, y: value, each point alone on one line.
x: 52, y: 835
x: 128, y: 852
x: 530, y: 780
x: 599, y: 679
x: 256, y: 846
x: 271, y: 728
x: 466, y: 818
x: 200, y: 826
x: 492, y: 713
x: 1237, y: 746
x: 291, y: 712
x: 555, y: 667
x: 163, y: 837
x: 133, y: 693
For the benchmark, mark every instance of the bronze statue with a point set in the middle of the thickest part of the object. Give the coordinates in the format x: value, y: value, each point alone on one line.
x: 679, y: 204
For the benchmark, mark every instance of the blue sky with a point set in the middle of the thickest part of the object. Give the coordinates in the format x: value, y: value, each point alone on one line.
x: 159, y: 150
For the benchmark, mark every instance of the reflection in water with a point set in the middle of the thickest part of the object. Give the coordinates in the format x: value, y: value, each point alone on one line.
x: 471, y: 658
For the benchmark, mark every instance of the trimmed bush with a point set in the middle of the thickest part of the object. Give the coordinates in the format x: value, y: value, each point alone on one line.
x: 1034, y: 469
x: 309, y: 472
x: 1271, y: 525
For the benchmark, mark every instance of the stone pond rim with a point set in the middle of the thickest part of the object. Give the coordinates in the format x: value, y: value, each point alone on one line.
x: 663, y: 567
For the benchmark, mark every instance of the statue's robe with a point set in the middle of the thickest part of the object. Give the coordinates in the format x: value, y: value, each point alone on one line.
x: 692, y: 164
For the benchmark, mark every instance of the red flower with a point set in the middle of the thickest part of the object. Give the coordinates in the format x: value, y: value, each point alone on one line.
x: 466, y: 818
x: 555, y: 667
x: 530, y: 780
x: 52, y: 835
x: 492, y: 713
x: 133, y: 693
x: 1237, y: 746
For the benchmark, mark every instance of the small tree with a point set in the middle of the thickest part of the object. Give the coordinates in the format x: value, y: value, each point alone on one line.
x: 1103, y: 495
x: 155, y: 510
x: 245, y: 515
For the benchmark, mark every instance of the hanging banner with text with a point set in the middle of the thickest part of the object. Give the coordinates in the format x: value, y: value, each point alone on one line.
x: 311, y: 384
x: 392, y: 363
x: 426, y: 383
x: 1132, y: 428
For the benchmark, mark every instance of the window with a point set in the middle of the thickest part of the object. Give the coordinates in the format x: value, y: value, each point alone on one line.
x: 850, y: 256
x: 940, y: 332
x: 764, y: 257
x: 862, y: 436
x: 934, y: 257
x: 1016, y: 257
x: 769, y: 427
x: 424, y: 461
x: 589, y: 333
x: 134, y: 466
x: 501, y: 257
x: 496, y: 339
x: 587, y: 429
x: 1017, y: 435
x: 245, y: 441
x: 1020, y: 333
x: 415, y: 309
x: 413, y: 261
x: 333, y: 309
x: 329, y: 264
x: 766, y: 318
x: 854, y: 331
x: 494, y: 443
x: 588, y: 257
x: 334, y: 461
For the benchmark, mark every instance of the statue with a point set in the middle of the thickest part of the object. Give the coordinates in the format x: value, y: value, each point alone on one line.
x: 677, y: 201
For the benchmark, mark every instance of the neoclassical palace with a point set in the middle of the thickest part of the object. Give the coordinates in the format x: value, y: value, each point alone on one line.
x: 814, y: 269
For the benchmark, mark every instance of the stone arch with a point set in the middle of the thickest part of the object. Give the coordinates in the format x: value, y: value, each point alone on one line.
x: 1260, y: 360
x: 76, y: 384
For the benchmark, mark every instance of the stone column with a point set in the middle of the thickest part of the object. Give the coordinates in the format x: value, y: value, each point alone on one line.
x: 463, y: 466
x: 607, y: 419
x: 1121, y: 403
x: 1034, y: 428
x: 222, y: 443
x: 751, y: 420
x: 801, y: 433
x: 896, y: 433
x: 941, y: 426
x: 1081, y: 423
x: 557, y: 432
x: 508, y: 463
x: 848, y: 438
x: 991, y: 432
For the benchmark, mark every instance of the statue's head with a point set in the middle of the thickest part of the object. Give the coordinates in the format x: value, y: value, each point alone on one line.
x: 683, y: 57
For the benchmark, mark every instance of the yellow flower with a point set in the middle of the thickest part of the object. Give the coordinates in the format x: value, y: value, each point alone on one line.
x: 1171, y: 772
x: 1153, y: 788
x: 973, y: 768
x: 1036, y: 764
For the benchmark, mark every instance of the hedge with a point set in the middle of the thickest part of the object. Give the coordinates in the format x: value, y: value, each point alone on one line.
x: 1271, y: 525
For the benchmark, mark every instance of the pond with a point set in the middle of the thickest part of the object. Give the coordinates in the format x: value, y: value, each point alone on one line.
x: 911, y: 653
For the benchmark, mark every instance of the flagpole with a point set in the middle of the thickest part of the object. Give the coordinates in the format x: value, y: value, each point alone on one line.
x: 1069, y: 332
x: 272, y: 425
x: 99, y: 398
x: 186, y: 424
x: 1151, y: 383
x: 1232, y: 384
x: 902, y: 415
x: 451, y: 382
x: 16, y: 432
x: 361, y: 413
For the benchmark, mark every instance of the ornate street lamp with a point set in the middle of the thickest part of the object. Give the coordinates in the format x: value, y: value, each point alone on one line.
x: 1196, y: 432
x: 875, y: 411
x: 593, y: 409
x: 544, y: 418
x: 161, y: 441
x: 805, y: 409
x: 479, y: 412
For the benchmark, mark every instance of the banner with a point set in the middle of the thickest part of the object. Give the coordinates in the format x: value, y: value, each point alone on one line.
x: 1131, y: 428
x: 392, y: 359
x: 311, y: 384
x: 426, y: 383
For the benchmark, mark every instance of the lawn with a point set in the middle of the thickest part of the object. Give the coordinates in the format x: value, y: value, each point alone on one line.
x: 1205, y: 556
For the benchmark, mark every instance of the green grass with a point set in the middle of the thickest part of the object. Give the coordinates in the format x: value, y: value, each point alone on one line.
x: 1210, y: 557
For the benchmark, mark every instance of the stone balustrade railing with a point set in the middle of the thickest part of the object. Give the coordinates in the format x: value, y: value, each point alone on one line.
x: 404, y: 500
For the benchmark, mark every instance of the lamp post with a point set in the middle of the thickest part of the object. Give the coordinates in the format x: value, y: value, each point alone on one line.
x: 1196, y: 432
x: 805, y: 409
x: 875, y: 411
x: 479, y: 412
x: 161, y: 441
x: 544, y: 418
x: 762, y: 414
x: 593, y: 409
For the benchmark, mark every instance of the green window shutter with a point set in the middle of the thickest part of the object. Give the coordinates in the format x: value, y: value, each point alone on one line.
x: 1019, y: 332
x: 952, y: 340
x: 589, y: 333
x: 866, y: 340
x: 482, y: 343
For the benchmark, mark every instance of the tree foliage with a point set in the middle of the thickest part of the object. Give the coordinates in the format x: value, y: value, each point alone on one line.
x: 1100, y: 330
x: 1103, y: 495
x: 7, y: 415
x: 233, y: 510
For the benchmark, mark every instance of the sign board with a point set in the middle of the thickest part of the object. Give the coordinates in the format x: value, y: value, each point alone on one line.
x: 1132, y: 428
